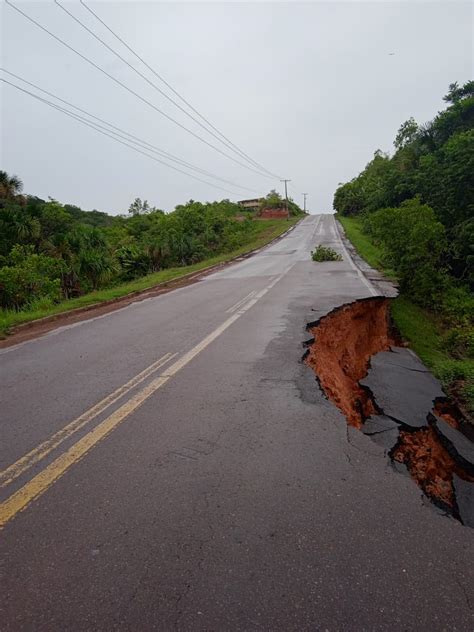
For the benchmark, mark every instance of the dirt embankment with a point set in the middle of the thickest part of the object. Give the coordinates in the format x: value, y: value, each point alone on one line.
x: 339, y: 353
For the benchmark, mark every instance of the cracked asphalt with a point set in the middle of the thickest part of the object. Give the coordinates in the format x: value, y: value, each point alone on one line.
x: 233, y: 496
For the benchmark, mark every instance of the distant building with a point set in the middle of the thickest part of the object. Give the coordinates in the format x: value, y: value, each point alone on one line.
x: 250, y: 205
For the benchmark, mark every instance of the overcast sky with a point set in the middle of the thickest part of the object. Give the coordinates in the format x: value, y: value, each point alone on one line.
x: 308, y: 90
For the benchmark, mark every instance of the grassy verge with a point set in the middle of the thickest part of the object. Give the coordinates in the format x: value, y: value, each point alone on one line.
x: 367, y: 250
x: 425, y: 331
x: 264, y: 232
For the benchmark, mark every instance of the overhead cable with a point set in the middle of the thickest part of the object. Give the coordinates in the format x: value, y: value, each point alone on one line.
x: 117, y: 81
x: 101, y: 131
x: 218, y: 135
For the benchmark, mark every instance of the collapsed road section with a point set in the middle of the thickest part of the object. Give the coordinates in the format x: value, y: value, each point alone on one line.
x: 384, y: 390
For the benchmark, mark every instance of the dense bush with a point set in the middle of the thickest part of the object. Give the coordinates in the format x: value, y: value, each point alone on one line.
x: 27, y: 276
x: 462, y: 251
x: 49, y: 251
x: 414, y: 243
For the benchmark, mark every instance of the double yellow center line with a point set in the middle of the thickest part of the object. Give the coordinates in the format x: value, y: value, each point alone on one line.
x: 38, y: 453
x: 37, y: 485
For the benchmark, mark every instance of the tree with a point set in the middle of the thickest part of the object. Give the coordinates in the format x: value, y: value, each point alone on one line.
x: 272, y: 200
x: 89, y: 258
x: 462, y: 252
x: 406, y: 133
x: 348, y: 198
x: 370, y: 190
x: 90, y: 248
x: 445, y: 179
x: 54, y: 221
x: 456, y: 93
x: 137, y: 207
x: 96, y: 266
x: 10, y: 186
x: 434, y: 161
x: 415, y: 246
x: 133, y: 260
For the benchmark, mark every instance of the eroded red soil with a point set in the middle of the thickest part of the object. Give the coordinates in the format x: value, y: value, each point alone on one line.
x: 344, y: 342
x: 340, y: 353
x: 447, y: 412
x: 428, y: 463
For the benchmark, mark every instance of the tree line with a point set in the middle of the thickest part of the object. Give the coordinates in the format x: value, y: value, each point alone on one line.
x: 418, y: 205
x: 51, y: 251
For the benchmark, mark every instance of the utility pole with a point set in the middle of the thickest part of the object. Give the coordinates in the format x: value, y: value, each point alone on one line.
x: 286, y: 194
x: 304, y: 203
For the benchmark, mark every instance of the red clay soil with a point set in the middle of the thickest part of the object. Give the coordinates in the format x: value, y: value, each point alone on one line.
x: 344, y: 342
x: 448, y: 412
x: 429, y: 464
x: 340, y: 353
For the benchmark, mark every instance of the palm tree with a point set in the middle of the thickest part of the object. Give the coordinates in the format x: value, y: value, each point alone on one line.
x: 10, y: 186
x: 96, y: 266
x: 27, y: 228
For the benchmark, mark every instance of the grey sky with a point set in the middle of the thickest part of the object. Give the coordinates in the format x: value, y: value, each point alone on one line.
x: 309, y: 90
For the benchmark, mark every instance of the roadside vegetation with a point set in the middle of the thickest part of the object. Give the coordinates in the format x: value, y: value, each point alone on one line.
x: 274, y: 201
x: 322, y: 253
x: 57, y: 257
x: 411, y: 215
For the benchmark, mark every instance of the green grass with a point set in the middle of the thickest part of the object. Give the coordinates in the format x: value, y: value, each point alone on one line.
x: 265, y: 231
x: 367, y: 250
x: 424, y: 330
x: 420, y: 328
x: 425, y: 333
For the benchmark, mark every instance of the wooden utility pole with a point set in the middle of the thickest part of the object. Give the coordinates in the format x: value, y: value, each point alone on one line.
x: 286, y: 193
x: 304, y: 203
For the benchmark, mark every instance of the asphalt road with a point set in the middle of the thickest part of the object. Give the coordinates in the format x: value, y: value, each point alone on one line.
x: 185, y: 472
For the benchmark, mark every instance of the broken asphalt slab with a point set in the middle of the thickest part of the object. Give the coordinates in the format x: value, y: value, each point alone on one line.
x: 464, y: 491
x: 382, y: 430
x: 402, y: 387
x: 458, y: 446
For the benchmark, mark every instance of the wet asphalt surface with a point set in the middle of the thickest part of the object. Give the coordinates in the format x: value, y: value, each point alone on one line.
x: 235, y: 497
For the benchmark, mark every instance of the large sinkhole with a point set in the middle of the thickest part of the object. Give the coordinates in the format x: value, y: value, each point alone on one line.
x: 433, y: 446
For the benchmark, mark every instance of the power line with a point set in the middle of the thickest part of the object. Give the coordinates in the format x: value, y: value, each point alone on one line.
x: 105, y: 133
x: 117, y: 81
x: 168, y: 85
x: 86, y: 28
x: 292, y: 187
x: 227, y: 142
x: 135, y: 139
x: 96, y: 128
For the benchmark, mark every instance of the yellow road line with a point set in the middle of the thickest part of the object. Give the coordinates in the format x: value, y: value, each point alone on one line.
x: 34, y: 488
x: 51, y: 473
x: 20, y: 466
x: 42, y: 481
x: 235, y: 306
